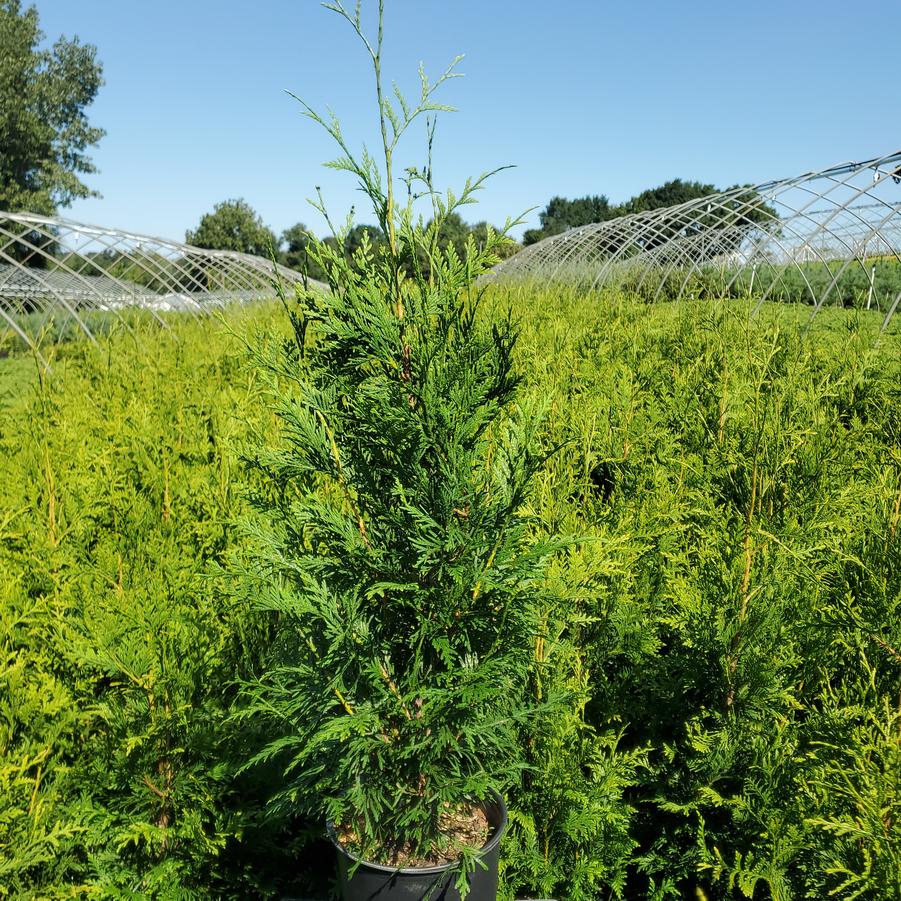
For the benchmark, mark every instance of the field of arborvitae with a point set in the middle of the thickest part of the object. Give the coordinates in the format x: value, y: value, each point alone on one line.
x: 726, y: 634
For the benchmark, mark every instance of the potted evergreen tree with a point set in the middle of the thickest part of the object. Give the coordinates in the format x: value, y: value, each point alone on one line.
x: 394, y: 550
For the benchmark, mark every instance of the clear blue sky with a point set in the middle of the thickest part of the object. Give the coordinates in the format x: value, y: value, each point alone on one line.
x: 583, y: 97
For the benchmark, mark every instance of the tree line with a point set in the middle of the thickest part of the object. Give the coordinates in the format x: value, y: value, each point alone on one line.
x: 234, y: 225
x: 746, y: 207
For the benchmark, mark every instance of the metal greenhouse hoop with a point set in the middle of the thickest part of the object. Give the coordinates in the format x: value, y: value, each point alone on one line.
x: 800, y: 238
x: 62, y: 274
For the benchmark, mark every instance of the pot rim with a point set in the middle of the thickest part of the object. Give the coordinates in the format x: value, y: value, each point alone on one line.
x: 488, y: 847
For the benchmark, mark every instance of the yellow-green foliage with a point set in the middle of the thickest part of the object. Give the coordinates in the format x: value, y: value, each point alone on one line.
x: 730, y: 637
x: 117, y: 471
x: 738, y: 620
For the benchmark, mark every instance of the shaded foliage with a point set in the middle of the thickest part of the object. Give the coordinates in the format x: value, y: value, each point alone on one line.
x: 561, y: 214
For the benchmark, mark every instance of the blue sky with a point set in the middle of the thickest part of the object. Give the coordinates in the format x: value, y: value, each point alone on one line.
x: 582, y: 97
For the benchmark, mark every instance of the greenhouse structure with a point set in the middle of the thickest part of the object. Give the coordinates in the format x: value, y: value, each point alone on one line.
x: 828, y: 237
x: 60, y: 278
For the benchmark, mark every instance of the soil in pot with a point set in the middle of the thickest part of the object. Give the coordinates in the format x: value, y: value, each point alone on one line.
x: 434, y: 877
x: 466, y: 825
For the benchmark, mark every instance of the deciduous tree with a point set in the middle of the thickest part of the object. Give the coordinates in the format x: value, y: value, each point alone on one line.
x: 44, y: 131
x: 561, y: 214
x: 233, y: 225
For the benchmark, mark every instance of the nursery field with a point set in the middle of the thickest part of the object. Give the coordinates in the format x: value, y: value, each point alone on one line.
x: 724, y: 641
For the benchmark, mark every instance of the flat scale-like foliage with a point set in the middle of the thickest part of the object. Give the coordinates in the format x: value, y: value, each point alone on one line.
x: 647, y: 782
x: 398, y: 558
x: 116, y: 654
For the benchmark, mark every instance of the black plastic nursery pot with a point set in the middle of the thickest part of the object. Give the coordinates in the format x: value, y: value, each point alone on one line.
x: 373, y: 882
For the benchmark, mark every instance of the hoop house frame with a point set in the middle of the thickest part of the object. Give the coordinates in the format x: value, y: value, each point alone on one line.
x: 59, y: 276
x: 827, y: 236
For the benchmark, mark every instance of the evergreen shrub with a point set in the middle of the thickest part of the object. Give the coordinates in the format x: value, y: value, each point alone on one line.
x: 397, y: 558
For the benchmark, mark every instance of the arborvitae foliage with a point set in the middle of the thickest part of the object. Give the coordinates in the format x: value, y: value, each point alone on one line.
x: 397, y: 556
x: 118, y: 654
x: 647, y: 783
x: 742, y: 631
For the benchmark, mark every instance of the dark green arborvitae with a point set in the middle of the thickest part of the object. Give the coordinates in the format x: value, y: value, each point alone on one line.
x: 396, y: 557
